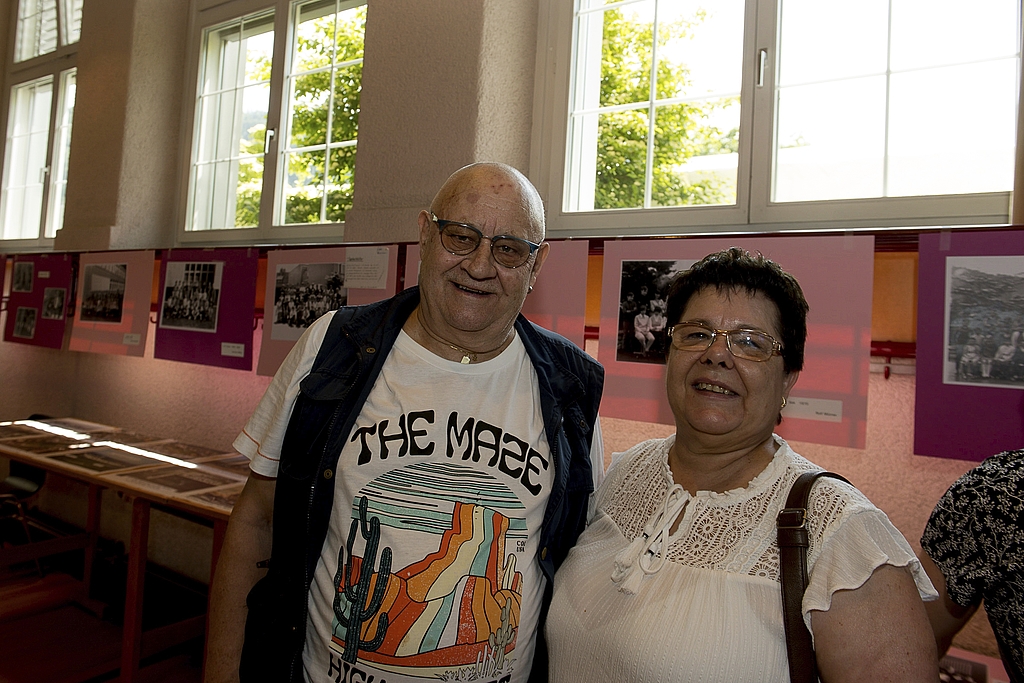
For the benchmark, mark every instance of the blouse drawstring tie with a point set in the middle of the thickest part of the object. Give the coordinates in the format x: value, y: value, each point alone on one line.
x: 648, y: 552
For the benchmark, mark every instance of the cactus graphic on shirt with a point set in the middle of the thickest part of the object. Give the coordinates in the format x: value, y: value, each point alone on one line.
x: 361, y: 605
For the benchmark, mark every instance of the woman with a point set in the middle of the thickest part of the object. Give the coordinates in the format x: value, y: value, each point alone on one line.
x: 677, y: 576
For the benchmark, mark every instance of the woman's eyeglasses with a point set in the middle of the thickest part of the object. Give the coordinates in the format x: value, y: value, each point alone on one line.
x: 748, y: 344
x: 462, y: 239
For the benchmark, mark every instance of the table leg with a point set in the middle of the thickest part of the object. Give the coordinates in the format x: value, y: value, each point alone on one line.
x: 92, y: 527
x: 219, y: 528
x: 131, y: 641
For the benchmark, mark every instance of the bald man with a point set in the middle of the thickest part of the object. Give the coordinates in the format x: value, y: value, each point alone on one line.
x: 420, y: 468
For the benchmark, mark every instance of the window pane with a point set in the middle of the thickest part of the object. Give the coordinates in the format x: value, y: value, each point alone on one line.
x: 626, y: 53
x: 932, y: 32
x: 25, y: 159
x: 37, y: 29
x: 621, y: 160
x: 71, y: 21
x: 62, y: 147
x: 825, y: 40
x: 831, y: 140
x: 934, y: 113
x: 345, y: 117
x: 705, y: 136
x: 303, y: 191
x: 341, y: 173
x: 940, y: 140
x: 231, y: 124
x: 323, y: 110
x: 697, y: 65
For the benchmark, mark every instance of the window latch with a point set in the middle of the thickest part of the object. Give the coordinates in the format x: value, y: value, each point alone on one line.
x: 266, y: 140
x: 762, y: 62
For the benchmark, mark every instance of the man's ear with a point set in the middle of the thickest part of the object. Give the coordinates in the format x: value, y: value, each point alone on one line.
x: 426, y: 225
x: 542, y: 256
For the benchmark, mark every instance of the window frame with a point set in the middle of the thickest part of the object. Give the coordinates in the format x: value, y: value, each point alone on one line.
x: 209, y: 14
x: 54, y: 64
x: 753, y: 211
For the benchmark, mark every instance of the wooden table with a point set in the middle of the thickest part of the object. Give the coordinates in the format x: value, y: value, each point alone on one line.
x: 169, y: 475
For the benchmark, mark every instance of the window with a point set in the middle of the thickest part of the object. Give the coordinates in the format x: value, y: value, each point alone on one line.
x: 274, y: 140
x: 755, y: 113
x: 40, y: 109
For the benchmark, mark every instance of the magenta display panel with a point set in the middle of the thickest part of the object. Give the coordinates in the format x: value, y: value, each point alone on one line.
x: 38, y: 303
x: 113, y: 303
x: 962, y: 411
x: 828, y: 405
x: 207, y: 306
x: 304, y: 283
x: 558, y: 301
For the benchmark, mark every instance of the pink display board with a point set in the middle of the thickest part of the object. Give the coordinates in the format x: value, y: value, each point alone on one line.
x: 558, y: 301
x: 829, y: 402
x: 970, y: 401
x: 303, y: 284
x: 412, y: 265
x: 38, y: 304
x: 113, y: 303
x: 207, y: 307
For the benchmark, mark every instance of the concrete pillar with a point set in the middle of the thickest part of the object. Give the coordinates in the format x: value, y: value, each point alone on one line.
x: 441, y: 89
x: 123, y: 169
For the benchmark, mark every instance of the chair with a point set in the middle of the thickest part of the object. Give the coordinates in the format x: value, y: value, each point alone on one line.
x: 21, y: 485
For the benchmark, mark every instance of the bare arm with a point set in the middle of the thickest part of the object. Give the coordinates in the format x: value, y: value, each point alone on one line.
x: 946, y: 617
x: 246, y: 542
x: 878, y: 632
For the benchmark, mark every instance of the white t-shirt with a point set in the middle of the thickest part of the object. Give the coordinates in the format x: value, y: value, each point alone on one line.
x: 453, y: 464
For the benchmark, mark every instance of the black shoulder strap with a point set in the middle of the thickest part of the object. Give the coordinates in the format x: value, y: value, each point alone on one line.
x: 792, y: 538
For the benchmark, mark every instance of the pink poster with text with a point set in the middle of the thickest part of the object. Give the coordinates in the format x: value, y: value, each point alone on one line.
x: 828, y: 405
x: 304, y: 284
x: 113, y: 302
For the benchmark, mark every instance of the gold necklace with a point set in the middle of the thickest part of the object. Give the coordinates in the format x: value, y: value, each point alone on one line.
x: 467, y: 355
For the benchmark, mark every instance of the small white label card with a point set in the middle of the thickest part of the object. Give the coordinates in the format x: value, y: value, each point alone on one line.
x: 131, y: 339
x: 366, y: 267
x: 44, y: 275
x: 232, y: 349
x: 820, y: 409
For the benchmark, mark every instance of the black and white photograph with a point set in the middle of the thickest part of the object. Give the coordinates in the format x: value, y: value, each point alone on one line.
x: 302, y: 293
x: 984, y: 321
x: 12, y: 431
x: 25, y: 322
x: 237, y: 463
x: 53, y: 302
x: 103, y: 292
x: 22, y: 278
x: 173, y: 479
x: 45, y: 443
x: 191, y: 296
x: 643, y: 327
x: 102, y: 460
x: 184, y: 451
x: 223, y: 499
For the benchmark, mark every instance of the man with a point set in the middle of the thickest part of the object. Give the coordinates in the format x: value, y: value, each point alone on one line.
x: 973, y: 550
x: 421, y: 467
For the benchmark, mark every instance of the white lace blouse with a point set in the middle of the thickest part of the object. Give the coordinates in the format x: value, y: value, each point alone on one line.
x: 709, y: 608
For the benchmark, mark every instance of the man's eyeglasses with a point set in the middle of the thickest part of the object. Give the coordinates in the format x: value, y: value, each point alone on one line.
x: 748, y: 344
x: 462, y: 239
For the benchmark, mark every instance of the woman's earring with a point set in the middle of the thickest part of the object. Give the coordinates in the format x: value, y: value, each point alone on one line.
x: 530, y: 290
x: 783, y: 403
